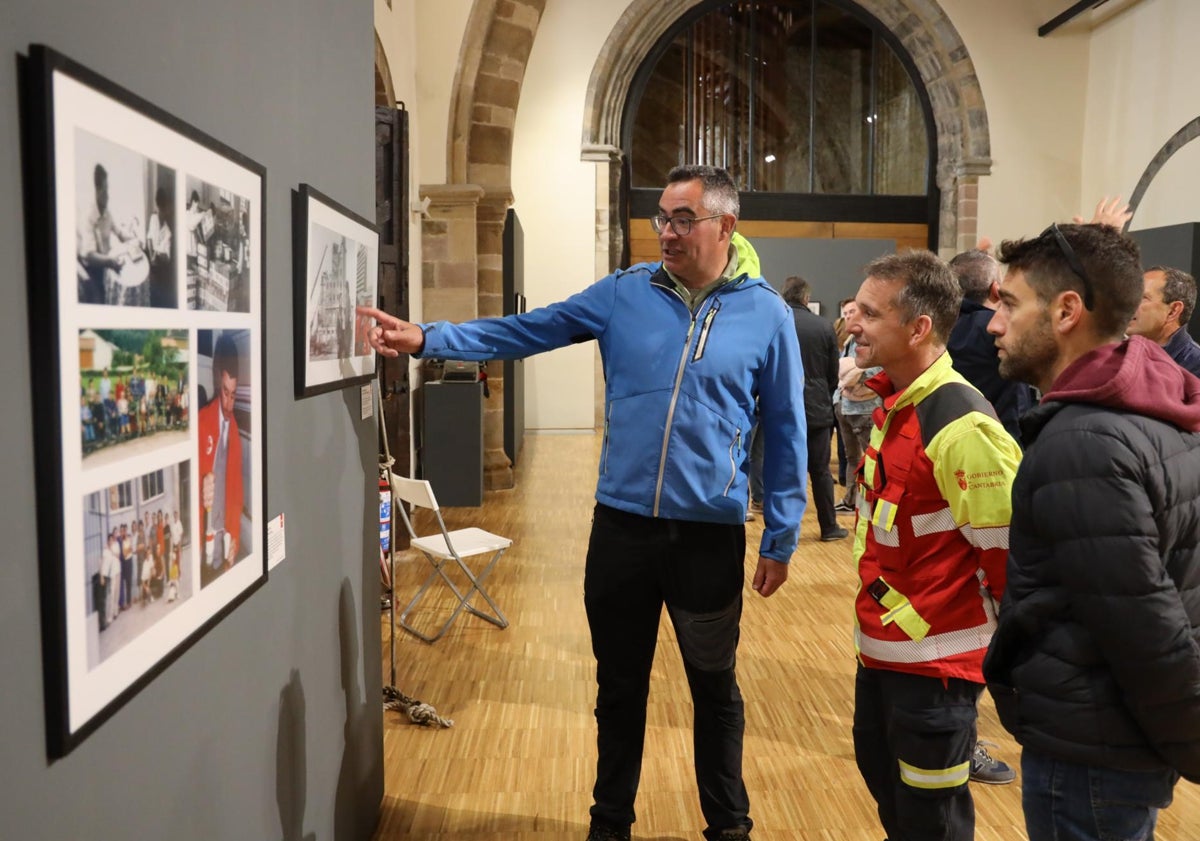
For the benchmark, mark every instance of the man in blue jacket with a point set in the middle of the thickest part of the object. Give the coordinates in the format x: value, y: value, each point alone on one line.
x: 688, y: 345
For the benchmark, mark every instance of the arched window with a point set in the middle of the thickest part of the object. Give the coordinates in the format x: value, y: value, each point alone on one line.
x: 810, y: 104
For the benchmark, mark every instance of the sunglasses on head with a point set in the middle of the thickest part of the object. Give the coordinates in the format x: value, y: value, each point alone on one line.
x: 1073, y: 261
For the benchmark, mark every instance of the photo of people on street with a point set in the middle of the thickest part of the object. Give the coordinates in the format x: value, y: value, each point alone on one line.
x: 137, y: 539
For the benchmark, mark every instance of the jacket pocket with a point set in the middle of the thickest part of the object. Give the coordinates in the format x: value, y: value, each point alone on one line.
x: 607, y: 441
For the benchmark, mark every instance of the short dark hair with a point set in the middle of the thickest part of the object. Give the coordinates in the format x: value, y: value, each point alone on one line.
x: 1111, y: 261
x: 720, y: 193
x: 99, y: 176
x: 225, y: 359
x: 929, y: 288
x: 1178, y: 285
x: 976, y: 272
x: 796, y: 291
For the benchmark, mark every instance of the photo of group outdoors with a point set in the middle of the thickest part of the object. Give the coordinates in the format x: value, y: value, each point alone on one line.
x: 217, y: 225
x: 336, y: 256
x: 124, y: 211
x: 133, y: 392
x: 149, y: 406
x: 136, y: 542
x: 223, y: 424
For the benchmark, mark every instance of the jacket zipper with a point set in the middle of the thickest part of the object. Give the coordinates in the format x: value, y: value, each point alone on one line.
x: 604, y: 455
x: 662, y: 459
x: 734, y: 446
x: 708, y: 320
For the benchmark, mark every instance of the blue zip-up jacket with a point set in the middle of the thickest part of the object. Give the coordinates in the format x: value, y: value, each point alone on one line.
x: 680, y: 392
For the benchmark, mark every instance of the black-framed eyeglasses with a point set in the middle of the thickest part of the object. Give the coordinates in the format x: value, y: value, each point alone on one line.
x: 1068, y: 252
x: 681, y: 225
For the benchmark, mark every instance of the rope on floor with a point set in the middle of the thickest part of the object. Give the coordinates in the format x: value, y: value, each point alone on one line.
x: 418, y: 711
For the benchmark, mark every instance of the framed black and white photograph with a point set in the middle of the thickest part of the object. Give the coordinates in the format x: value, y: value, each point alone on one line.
x: 146, y: 275
x: 336, y: 264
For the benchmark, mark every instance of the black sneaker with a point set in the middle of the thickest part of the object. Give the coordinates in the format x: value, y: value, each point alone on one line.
x: 985, y: 769
x: 737, y: 833
x: 607, y: 832
x: 844, y: 508
x: 835, y: 534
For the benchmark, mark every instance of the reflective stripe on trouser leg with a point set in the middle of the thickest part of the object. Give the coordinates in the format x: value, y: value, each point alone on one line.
x: 932, y: 778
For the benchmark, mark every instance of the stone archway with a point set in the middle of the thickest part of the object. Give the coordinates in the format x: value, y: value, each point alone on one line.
x: 462, y: 233
x: 385, y: 92
x: 925, y: 31
x: 1178, y: 140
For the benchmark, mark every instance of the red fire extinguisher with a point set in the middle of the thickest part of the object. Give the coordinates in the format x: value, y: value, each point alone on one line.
x: 385, y: 529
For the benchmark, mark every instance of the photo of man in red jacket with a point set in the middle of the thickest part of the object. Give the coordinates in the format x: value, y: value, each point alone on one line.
x: 220, y: 463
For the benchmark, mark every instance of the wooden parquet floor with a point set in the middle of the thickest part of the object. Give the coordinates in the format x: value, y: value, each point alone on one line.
x: 517, y: 765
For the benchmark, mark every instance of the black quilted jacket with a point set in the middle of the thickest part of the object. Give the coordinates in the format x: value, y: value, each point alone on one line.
x: 1097, y: 656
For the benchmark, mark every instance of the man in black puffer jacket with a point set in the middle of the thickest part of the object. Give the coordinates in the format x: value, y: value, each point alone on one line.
x: 1095, y: 665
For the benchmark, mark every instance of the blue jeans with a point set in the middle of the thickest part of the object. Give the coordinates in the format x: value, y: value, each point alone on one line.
x: 1065, y: 801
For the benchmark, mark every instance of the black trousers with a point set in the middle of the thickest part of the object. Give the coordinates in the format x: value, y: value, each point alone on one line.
x: 635, y: 565
x: 913, y: 738
x: 822, y: 479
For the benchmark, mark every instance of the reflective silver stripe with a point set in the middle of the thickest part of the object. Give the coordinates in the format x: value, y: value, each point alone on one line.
x: 990, y: 537
x: 938, y: 521
x: 886, y: 538
x: 929, y: 649
x: 990, y: 608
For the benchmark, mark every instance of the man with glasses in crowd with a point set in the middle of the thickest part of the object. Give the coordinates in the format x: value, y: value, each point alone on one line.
x: 931, y: 542
x: 1095, y: 665
x: 688, y: 345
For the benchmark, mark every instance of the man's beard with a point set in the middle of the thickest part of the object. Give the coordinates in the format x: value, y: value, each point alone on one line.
x: 1033, y: 356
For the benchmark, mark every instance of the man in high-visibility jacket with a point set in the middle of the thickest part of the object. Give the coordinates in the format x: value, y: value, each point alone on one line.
x: 931, y: 542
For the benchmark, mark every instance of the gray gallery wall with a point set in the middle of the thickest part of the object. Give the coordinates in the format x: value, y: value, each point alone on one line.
x: 270, y: 725
x: 832, y: 267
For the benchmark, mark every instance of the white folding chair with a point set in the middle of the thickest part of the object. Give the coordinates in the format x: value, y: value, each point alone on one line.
x: 442, y: 548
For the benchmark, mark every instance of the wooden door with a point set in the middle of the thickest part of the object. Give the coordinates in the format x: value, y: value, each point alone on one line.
x: 391, y: 215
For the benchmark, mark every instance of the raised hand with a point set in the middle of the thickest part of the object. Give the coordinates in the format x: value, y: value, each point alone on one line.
x: 390, y: 336
x: 1110, y: 212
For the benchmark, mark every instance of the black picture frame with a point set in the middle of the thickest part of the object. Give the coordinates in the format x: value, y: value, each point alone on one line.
x: 129, y: 320
x: 335, y: 259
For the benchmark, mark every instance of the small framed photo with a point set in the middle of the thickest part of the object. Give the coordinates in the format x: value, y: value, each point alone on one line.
x: 336, y: 264
x: 145, y: 240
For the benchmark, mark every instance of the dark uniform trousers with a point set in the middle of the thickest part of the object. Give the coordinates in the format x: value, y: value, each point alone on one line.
x: 912, y: 735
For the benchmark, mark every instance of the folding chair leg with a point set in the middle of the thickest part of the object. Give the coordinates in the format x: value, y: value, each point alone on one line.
x: 496, y: 618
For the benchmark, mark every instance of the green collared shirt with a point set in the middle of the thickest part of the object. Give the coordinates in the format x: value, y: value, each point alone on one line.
x: 695, y: 297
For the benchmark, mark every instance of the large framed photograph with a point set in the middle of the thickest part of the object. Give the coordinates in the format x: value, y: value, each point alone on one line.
x: 336, y: 265
x: 145, y: 241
